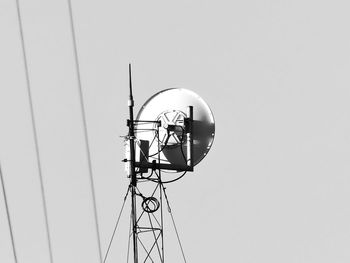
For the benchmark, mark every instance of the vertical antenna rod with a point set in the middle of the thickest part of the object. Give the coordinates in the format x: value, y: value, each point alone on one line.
x: 132, y: 167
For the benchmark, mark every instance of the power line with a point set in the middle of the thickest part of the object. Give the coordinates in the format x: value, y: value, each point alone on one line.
x: 34, y: 130
x: 85, y: 129
x: 8, y: 215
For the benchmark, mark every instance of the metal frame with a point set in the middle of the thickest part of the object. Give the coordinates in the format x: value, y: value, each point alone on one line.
x: 150, y: 220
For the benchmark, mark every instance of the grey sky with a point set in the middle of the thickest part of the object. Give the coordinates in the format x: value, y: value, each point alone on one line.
x: 275, y: 185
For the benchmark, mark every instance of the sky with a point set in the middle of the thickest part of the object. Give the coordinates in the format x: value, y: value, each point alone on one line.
x: 273, y: 188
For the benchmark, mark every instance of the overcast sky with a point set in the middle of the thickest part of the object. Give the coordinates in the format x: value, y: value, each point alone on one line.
x: 275, y: 185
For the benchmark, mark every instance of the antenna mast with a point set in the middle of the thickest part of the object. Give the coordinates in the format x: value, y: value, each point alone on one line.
x: 132, y: 172
x: 147, y: 226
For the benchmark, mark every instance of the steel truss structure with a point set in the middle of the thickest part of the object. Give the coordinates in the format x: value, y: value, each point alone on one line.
x: 147, y: 189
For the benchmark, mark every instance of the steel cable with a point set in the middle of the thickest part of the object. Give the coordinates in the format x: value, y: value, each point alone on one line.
x: 8, y: 216
x: 130, y: 234
x: 116, y: 226
x: 42, y: 188
x: 172, y: 218
x: 86, y: 137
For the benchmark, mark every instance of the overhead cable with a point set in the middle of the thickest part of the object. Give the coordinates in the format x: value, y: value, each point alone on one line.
x: 35, y: 134
x: 8, y: 215
x: 87, y: 147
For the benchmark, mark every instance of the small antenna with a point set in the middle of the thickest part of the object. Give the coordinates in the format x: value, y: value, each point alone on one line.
x: 132, y: 172
x: 131, y: 99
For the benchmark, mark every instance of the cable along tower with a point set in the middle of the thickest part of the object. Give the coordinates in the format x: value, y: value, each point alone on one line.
x: 172, y: 133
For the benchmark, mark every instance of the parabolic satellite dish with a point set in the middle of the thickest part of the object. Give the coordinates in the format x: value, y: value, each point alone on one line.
x: 168, y: 109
